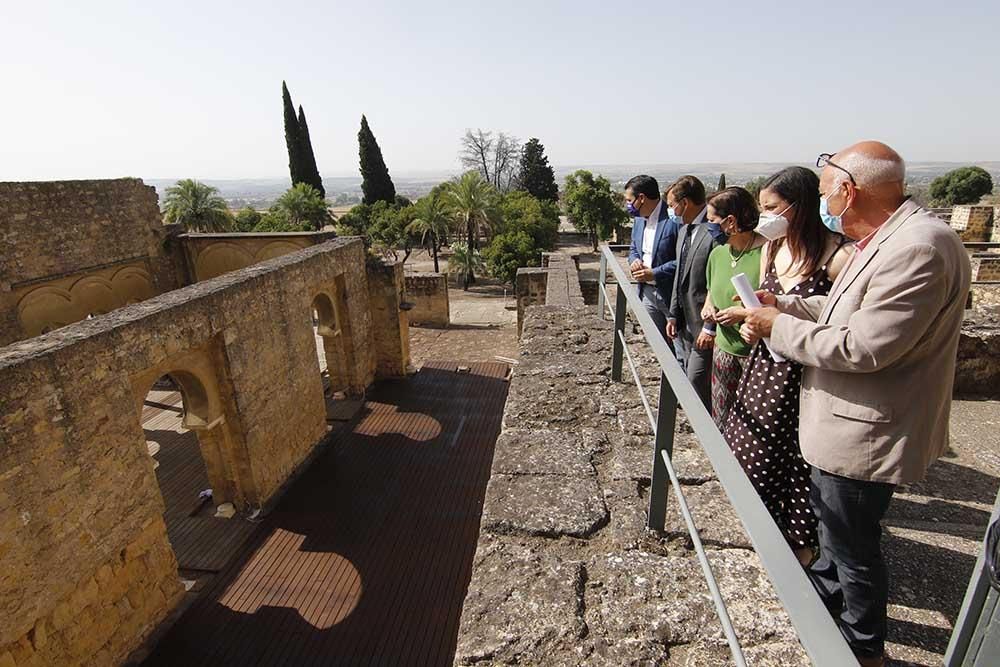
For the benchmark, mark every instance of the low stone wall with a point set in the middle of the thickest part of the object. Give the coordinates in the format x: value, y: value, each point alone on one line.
x: 977, y: 369
x: 210, y: 255
x: 974, y: 223
x: 565, y: 572
x: 87, y: 568
x: 555, y: 283
x: 987, y: 266
x: 428, y: 292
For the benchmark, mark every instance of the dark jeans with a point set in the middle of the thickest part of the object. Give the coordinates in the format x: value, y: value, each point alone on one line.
x: 850, y: 575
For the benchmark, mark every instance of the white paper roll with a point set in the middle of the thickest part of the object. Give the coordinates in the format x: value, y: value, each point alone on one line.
x: 750, y: 300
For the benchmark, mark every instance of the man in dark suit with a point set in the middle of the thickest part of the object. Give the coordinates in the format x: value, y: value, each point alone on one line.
x: 693, y: 337
x: 654, y: 243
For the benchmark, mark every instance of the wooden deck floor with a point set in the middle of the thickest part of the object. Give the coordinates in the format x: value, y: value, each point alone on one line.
x: 367, y: 559
x: 200, y: 540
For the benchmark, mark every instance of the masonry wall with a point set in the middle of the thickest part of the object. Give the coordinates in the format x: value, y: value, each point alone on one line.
x: 974, y: 223
x: 88, y: 571
x: 390, y: 330
x: 211, y: 255
x: 556, y: 283
x: 428, y: 292
x: 73, y: 248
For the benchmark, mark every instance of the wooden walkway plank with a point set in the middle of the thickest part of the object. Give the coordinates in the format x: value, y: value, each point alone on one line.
x: 367, y: 558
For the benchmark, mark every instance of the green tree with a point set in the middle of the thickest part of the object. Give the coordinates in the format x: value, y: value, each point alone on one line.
x: 432, y: 221
x: 197, y: 206
x: 465, y: 261
x: 536, y: 176
x: 375, y: 181
x: 754, y: 185
x: 509, y: 251
x: 388, y: 229
x: 591, y: 205
x: 301, y: 206
x: 247, y: 219
x: 472, y: 200
x: 522, y: 212
x: 310, y: 172
x: 965, y: 185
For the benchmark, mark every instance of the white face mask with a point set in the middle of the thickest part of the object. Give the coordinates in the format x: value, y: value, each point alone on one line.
x: 773, y: 226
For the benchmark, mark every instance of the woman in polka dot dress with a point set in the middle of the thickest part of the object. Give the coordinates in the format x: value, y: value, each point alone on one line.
x: 762, y: 426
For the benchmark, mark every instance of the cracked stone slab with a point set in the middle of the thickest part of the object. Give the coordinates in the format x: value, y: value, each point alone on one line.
x: 544, y: 402
x: 663, y: 600
x: 544, y: 505
x: 717, y: 654
x: 523, y: 607
x: 627, y: 524
x: 632, y: 462
x: 713, y: 514
x: 564, y: 365
x: 541, y: 452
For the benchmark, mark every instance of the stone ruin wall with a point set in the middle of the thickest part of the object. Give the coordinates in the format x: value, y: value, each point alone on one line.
x: 565, y: 572
x: 72, y: 248
x: 391, y: 330
x: 976, y: 224
x: 555, y: 283
x: 209, y: 255
x: 428, y: 292
x: 88, y: 570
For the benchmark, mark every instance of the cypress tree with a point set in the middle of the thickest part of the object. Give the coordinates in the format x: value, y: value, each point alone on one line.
x: 537, y: 177
x: 293, y: 139
x: 310, y: 173
x: 722, y: 183
x: 375, y: 181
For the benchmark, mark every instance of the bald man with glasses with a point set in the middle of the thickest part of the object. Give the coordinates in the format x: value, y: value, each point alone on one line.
x: 890, y: 324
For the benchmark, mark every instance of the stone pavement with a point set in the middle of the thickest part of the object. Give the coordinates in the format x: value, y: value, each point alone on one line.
x: 567, y: 574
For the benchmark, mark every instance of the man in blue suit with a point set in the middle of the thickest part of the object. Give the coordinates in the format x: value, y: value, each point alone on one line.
x: 652, y: 256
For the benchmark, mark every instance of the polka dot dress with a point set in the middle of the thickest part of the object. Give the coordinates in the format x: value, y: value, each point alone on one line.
x: 762, y: 428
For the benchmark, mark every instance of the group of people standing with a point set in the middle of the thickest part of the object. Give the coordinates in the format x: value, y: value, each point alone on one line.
x: 858, y: 307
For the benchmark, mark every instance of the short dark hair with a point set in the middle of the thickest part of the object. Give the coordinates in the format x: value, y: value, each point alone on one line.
x: 807, y: 235
x: 739, y: 203
x: 644, y: 185
x: 688, y: 187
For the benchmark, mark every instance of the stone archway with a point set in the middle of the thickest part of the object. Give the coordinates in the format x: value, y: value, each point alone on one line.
x: 333, y: 325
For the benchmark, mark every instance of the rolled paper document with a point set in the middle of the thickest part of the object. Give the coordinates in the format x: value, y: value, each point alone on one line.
x: 750, y: 300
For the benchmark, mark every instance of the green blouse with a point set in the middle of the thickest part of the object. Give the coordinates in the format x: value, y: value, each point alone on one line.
x: 719, y: 272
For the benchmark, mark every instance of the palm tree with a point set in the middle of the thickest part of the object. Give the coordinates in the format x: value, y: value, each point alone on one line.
x: 302, y: 206
x: 465, y: 260
x: 197, y: 206
x: 433, y: 219
x: 471, y: 199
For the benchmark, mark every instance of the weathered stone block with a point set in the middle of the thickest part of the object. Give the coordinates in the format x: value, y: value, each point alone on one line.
x: 543, y: 505
x: 541, y: 452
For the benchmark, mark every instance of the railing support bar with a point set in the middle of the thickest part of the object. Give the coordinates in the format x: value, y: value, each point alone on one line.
x: 666, y: 420
x: 602, y: 279
x: 621, y: 302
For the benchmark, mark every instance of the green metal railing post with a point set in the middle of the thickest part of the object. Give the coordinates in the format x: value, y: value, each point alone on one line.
x: 616, y: 352
x: 666, y: 420
x: 601, y: 280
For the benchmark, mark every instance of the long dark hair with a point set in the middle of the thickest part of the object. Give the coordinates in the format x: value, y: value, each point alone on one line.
x: 807, y: 234
x: 736, y: 202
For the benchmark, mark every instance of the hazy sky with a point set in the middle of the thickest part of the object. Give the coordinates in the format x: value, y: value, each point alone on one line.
x: 193, y: 89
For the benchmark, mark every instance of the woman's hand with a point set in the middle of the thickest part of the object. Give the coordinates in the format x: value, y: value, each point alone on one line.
x: 708, y: 313
x: 730, y: 317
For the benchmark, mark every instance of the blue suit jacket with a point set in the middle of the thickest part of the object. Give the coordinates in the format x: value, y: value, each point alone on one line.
x: 664, y: 250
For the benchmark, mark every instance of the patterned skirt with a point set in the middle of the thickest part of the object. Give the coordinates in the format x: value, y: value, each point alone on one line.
x: 727, y: 369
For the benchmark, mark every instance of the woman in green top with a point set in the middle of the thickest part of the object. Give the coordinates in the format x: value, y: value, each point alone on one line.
x: 735, y: 210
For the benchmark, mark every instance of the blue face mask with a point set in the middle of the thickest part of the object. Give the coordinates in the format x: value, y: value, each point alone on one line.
x: 671, y: 213
x: 834, y: 223
x: 631, y: 209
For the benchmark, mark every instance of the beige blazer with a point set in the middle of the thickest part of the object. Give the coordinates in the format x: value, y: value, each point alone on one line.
x: 880, y: 352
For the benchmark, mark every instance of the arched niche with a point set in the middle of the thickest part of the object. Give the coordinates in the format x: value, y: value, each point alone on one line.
x: 221, y: 257
x: 276, y: 249
x: 46, y: 308
x: 132, y: 285
x: 93, y: 295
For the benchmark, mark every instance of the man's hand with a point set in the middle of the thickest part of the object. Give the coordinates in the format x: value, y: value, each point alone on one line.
x: 760, y: 321
x: 748, y: 335
x: 642, y: 274
x: 671, y: 329
x: 635, y: 265
x: 730, y: 317
x: 704, y: 341
x: 765, y: 297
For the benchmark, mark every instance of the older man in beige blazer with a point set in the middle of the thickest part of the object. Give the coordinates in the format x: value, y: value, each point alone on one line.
x: 879, y: 353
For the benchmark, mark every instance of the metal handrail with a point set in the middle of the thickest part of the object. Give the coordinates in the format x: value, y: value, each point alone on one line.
x: 817, y: 631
